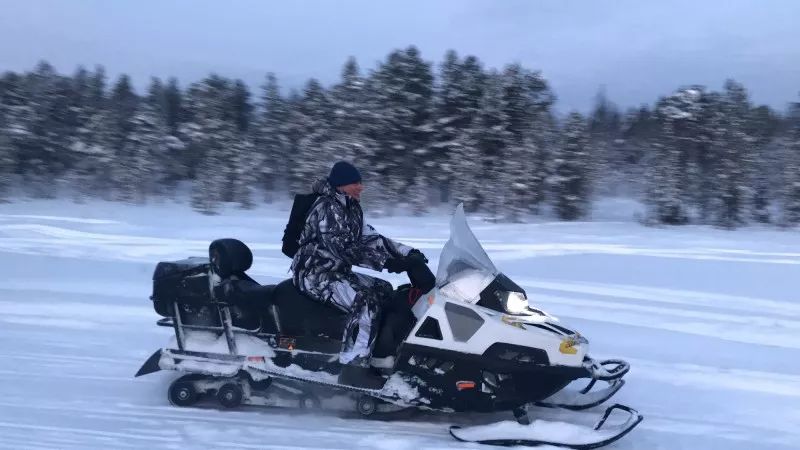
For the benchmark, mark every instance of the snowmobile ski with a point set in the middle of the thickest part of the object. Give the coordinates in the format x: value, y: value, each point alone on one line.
x: 583, y: 399
x: 557, y: 434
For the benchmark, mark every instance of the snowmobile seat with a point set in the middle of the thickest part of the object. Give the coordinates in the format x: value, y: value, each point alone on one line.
x: 283, y: 309
x: 300, y: 315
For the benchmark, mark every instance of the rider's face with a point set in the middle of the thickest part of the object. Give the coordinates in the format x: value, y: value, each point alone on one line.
x: 353, y: 190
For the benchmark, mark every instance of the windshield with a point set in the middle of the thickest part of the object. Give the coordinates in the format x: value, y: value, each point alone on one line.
x: 464, y: 267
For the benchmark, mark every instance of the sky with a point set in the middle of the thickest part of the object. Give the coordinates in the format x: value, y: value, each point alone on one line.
x: 634, y: 50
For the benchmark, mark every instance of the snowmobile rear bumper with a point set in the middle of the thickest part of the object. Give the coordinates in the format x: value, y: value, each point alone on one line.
x: 151, y: 365
x: 191, y: 361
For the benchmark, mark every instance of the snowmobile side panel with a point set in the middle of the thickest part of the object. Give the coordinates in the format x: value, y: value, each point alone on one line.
x: 151, y: 365
x: 542, y: 432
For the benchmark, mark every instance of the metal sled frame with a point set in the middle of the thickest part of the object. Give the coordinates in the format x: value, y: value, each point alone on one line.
x: 224, y: 318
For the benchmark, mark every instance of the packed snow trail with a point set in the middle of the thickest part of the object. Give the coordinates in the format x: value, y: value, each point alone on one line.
x: 708, y: 319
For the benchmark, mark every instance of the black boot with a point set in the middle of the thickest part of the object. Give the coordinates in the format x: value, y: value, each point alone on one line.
x: 357, y: 375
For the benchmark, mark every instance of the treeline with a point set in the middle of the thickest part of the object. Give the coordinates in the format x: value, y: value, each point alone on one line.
x: 422, y: 134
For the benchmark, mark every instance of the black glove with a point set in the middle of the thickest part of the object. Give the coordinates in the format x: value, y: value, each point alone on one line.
x: 396, y: 265
x: 414, y: 253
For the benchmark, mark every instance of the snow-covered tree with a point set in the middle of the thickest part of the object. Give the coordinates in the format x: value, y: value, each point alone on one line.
x: 479, y: 161
x: 673, y: 173
x: 271, y: 136
x: 456, y: 108
x: 763, y: 129
x: 605, y: 128
x: 6, y: 157
x: 790, y: 159
x: 94, y: 150
x: 348, y: 102
x: 173, y: 106
x: 418, y: 195
x: 211, y: 133
x: 401, y: 92
x: 311, y: 120
x: 522, y: 178
x: 241, y: 108
x: 139, y: 167
x: 569, y: 181
x: 733, y: 157
x: 122, y: 105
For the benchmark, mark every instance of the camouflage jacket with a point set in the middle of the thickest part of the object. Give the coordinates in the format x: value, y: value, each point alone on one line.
x: 335, y: 238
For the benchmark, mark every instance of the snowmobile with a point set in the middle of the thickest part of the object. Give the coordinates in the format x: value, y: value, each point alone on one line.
x: 467, y: 340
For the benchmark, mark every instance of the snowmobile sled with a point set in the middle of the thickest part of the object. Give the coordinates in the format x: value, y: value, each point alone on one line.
x: 466, y: 340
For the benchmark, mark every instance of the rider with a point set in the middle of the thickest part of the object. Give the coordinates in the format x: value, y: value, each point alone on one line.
x: 335, y: 238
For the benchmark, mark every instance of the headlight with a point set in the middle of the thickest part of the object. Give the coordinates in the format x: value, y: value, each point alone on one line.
x: 513, y: 302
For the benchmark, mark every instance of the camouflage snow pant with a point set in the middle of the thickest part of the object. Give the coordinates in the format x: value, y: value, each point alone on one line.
x: 362, y: 297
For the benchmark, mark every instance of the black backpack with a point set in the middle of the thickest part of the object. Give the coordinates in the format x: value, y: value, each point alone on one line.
x: 297, y: 219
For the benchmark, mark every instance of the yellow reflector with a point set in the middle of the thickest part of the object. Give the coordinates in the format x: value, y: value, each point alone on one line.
x: 568, y: 347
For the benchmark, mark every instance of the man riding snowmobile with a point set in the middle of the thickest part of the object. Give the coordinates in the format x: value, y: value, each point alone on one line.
x: 333, y: 239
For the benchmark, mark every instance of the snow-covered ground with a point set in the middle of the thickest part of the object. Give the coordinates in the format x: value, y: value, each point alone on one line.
x: 709, y: 319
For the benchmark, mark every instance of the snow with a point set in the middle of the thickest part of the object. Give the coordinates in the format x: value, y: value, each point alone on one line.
x: 708, y: 319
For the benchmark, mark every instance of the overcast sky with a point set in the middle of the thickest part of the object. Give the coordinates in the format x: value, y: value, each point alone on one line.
x: 637, y: 49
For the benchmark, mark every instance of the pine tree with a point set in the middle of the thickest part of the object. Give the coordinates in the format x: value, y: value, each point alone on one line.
x: 526, y: 101
x: 479, y: 161
x: 210, y: 132
x: 15, y: 123
x: 790, y: 191
x: 97, y: 90
x: 638, y: 130
x: 123, y: 105
x: 242, y: 175
x: 733, y: 157
x: 46, y: 119
x: 763, y: 128
x: 418, y: 195
x: 673, y: 174
x: 272, y: 136
x: 164, y: 102
x: 570, y: 179
x: 521, y: 179
x: 6, y: 157
x: 457, y: 106
x: 791, y: 175
x: 173, y: 106
x: 605, y: 128
x: 350, y: 115
x: 402, y: 93
x: 240, y: 106
x: 311, y: 117
x: 140, y: 162
x: 157, y: 98
x: 94, y: 150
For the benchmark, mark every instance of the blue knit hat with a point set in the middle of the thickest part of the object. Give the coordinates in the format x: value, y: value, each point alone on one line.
x: 343, y: 173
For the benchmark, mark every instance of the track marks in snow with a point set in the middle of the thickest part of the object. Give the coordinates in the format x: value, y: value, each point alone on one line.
x: 747, y: 320
x: 74, y: 315
x: 59, y: 219
x: 517, y: 251
x: 668, y: 296
x: 716, y: 378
